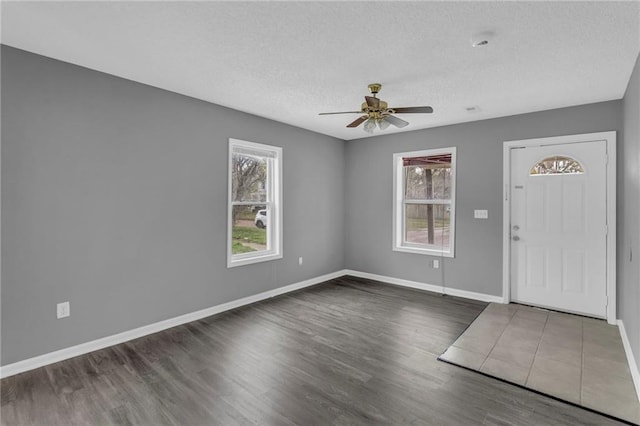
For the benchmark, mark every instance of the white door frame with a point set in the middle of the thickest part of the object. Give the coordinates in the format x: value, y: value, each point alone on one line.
x: 610, y: 138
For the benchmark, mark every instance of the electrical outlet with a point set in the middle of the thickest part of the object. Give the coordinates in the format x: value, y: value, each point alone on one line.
x: 63, y: 310
x: 300, y: 260
x: 436, y: 264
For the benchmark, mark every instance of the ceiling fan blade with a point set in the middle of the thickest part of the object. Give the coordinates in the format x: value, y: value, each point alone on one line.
x: 406, y: 110
x: 359, y: 121
x: 372, y: 102
x: 344, y: 112
x: 398, y: 122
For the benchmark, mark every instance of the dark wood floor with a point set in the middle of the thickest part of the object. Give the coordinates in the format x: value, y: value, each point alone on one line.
x: 350, y: 351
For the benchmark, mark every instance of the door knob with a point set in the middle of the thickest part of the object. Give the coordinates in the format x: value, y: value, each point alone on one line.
x: 516, y: 238
x: 516, y: 227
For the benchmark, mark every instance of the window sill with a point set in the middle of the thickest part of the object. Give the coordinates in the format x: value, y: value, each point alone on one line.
x: 241, y: 261
x: 423, y: 251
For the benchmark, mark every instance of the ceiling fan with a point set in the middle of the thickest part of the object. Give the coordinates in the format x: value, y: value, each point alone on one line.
x: 377, y: 112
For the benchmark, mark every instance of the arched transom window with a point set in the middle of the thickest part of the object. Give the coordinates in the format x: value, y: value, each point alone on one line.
x: 557, y: 165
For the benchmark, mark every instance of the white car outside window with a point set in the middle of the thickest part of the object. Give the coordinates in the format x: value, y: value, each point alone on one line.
x: 261, y: 219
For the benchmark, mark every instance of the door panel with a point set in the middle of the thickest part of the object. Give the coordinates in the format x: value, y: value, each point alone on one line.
x: 559, y: 229
x: 573, y: 271
x: 536, y: 266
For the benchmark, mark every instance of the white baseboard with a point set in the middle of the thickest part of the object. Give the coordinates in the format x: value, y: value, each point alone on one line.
x: 428, y: 287
x: 633, y: 366
x: 94, y: 345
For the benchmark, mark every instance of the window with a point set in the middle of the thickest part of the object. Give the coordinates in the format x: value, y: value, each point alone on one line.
x: 424, y: 195
x: 255, y: 203
x: 557, y: 165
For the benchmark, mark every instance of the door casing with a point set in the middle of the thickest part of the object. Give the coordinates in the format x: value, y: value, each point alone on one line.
x: 610, y: 138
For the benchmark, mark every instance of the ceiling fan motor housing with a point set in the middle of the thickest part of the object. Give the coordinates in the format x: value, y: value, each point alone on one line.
x: 373, y: 111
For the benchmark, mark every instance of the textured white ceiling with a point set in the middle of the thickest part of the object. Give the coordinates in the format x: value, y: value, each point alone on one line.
x: 288, y: 61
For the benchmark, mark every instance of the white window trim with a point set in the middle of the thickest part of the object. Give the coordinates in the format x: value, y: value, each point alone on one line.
x: 398, y: 206
x: 274, y: 191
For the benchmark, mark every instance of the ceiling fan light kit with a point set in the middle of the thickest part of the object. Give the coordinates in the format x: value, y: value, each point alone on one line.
x: 383, y: 124
x: 378, y: 114
x: 370, y: 125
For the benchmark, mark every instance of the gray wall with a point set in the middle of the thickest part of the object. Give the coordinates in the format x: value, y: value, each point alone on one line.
x: 114, y: 197
x: 629, y: 214
x: 477, y: 265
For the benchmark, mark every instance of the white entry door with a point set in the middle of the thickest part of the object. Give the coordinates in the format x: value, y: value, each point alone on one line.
x: 558, y: 226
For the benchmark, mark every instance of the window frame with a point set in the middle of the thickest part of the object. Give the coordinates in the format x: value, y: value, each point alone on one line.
x: 273, y: 205
x: 399, y: 243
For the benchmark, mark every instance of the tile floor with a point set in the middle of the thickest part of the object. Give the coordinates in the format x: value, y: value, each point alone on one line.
x: 577, y: 359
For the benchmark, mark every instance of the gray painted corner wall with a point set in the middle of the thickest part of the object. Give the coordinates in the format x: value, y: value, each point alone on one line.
x: 477, y: 265
x: 114, y: 197
x: 629, y: 214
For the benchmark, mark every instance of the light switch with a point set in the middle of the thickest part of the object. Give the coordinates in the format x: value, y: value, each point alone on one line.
x: 481, y: 214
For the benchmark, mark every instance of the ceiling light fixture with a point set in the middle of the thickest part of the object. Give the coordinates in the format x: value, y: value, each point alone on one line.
x: 370, y: 125
x: 383, y: 124
x: 377, y: 112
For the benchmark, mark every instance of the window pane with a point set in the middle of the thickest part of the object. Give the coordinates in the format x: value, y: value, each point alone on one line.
x: 249, y: 178
x: 427, y: 178
x: 428, y: 224
x: 557, y: 166
x: 250, y: 229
